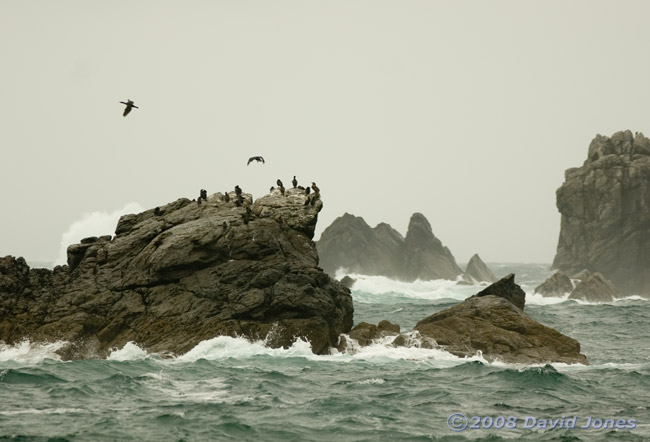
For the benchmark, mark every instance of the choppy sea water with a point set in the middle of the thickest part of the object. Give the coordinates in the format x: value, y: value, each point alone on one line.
x: 231, y: 389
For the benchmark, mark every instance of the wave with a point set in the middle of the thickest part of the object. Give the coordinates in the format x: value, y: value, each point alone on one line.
x: 369, y: 289
x: 30, y: 353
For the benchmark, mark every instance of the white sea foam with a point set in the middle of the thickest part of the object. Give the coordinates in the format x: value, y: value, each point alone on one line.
x: 223, y: 347
x: 24, y: 411
x: 92, y: 224
x: 27, y: 352
x: 130, y: 352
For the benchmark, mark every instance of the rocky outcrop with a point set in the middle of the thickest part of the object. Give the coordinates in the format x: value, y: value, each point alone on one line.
x: 595, y: 288
x: 605, y: 208
x: 490, y: 323
x: 351, y: 244
x: 557, y: 285
x: 478, y: 271
x: 181, y: 273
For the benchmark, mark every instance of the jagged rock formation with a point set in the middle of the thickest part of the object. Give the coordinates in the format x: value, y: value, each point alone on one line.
x: 595, y: 288
x: 592, y: 287
x: 558, y: 284
x: 491, y: 323
x: 181, y: 273
x: 605, y: 207
x: 478, y: 271
x: 350, y: 243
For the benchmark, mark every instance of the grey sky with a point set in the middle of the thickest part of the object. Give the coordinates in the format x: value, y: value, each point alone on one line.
x: 466, y: 111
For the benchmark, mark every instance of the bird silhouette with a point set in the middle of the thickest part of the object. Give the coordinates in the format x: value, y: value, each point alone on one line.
x: 258, y: 159
x: 129, y: 105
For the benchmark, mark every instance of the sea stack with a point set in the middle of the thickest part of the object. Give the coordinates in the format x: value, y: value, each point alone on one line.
x: 605, y: 207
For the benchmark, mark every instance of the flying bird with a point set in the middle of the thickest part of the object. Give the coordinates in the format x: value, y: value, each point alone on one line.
x: 129, y: 105
x: 258, y: 159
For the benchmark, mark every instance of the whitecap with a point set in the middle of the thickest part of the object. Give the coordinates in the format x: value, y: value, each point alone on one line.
x: 30, y: 353
x: 130, y: 352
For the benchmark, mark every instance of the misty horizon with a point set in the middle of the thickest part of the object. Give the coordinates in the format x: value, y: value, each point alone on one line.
x: 468, y: 112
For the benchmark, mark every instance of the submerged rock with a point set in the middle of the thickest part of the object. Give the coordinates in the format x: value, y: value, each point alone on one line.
x: 182, y: 273
x: 490, y: 323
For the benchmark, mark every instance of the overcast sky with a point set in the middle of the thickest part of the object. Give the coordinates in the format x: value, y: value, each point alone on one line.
x: 466, y: 111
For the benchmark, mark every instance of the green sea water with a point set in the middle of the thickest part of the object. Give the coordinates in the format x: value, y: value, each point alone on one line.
x: 231, y: 389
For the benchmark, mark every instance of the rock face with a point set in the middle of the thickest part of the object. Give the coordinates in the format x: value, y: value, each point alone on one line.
x: 178, y: 274
x: 491, y: 323
x: 558, y: 284
x: 595, y: 288
x: 605, y: 208
x: 350, y: 243
x: 478, y: 271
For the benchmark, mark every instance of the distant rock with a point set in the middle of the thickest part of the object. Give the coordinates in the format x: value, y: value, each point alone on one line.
x: 595, y: 288
x: 350, y: 243
x: 182, y: 273
x: 605, y: 207
x: 478, y: 271
x: 347, y: 281
x: 488, y: 322
x: 424, y: 256
x: 557, y: 285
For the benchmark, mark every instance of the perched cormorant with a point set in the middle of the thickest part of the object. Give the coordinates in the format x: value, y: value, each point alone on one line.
x: 237, y: 190
x: 226, y: 197
x: 129, y: 105
x: 314, y: 187
x: 156, y: 211
x: 307, y: 190
x: 271, y: 189
x: 257, y: 158
x: 279, y: 183
x: 294, y: 181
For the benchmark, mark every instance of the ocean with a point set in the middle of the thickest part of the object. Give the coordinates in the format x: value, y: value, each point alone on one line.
x: 231, y: 389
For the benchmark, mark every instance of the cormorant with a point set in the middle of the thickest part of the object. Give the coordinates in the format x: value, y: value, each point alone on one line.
x: 257, y: 158
x: 237, y: 190
x: 279, y: 183
x: 226, y: 197
x: 307, y: 190
x: 314, y: 187
x: 129, y: 105
x: 294, y: 181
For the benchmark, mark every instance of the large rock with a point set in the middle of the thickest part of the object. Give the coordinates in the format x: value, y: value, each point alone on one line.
x: 478, y: 271
x: 605, y: 208
x: 558, y: 284
x: 178, y: 274
x: 595, y: 288
x: 499, y: 329
x: 350, y: 243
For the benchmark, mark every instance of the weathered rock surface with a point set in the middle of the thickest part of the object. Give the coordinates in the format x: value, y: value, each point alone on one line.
x: 605, y: 208
x: 558, y: 284
x: 178, y: 274
x: 350, y: 243
x: 489, y: 322
x: 595, y: 288
x: 365, y: 333
x: 478, y: 271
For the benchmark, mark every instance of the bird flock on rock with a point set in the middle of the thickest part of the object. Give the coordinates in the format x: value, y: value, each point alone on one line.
x: 239, y: 201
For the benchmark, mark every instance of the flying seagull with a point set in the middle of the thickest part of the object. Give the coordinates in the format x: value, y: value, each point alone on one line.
x: 129, y: 105
x: 258, y: 159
